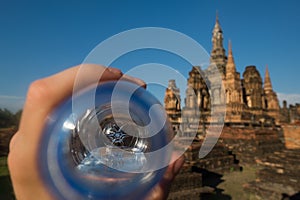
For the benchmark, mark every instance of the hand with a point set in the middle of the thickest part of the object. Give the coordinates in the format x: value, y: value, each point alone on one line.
x: 42, y: 97
x: 162, y: 189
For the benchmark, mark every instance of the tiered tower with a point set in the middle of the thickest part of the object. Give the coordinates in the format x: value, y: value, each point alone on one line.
x: 173, y: 104
x: 218, y: 56
x: 252, y: 84
x: 216, y: 72
x: 199, y: 85
x: 197, y: 100
x: 234, y: 93
x: 271, y: 100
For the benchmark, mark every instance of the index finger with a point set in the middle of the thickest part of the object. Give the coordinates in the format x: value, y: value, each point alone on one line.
x: 45, y: 94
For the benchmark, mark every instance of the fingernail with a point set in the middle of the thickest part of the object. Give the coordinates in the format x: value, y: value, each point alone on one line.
x: 134, y: 80
x: 140, y: 82
x: 115, y: 70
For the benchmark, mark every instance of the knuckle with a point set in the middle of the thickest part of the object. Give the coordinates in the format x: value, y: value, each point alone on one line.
x: 13, y: 141
x: 38, y: 92
x: 15, y: 167
x: 12, y: 162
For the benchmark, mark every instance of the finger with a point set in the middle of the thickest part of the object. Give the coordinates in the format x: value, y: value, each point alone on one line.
x: 134, y: 80
x: 115, y: 70
x: 127, y: 77
x: 162, y: 189
x: 13, y: 141
x: 45, y: 94
x: 169, y: 176
x: 172, y: 171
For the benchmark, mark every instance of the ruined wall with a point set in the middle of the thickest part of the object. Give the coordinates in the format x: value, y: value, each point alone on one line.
x: 187, y: 185
x: 291, y: 136
x: 252, y: 143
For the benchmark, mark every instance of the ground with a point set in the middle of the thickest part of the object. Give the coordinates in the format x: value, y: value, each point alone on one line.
x: 6, y: 191
x: 234, y: 182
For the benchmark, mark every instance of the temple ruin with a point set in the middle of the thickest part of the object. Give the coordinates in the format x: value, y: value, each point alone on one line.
x: 254, y: 126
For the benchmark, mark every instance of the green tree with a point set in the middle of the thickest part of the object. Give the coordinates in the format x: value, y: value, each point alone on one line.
x: 8, y: 119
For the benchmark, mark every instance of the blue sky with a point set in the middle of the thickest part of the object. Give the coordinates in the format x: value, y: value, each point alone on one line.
x: 39, y: 38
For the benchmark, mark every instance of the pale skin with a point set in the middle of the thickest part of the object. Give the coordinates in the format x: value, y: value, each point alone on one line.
x: 42, y: 97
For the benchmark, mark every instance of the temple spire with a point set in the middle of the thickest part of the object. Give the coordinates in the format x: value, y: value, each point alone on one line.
x: 217, y: 28
x: 217, y: 55
x: 268, y: 84
x: 271, y: 100
x: 230, y: 66
x: 230, y: 56
x: 217, y: 17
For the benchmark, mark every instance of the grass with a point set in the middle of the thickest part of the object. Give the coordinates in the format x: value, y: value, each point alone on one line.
x: 234, y: 181
x: 3, y: 167
x: 6, y: 191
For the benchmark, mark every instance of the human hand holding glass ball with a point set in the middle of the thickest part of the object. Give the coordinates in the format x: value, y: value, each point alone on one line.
x: 43, y: 97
